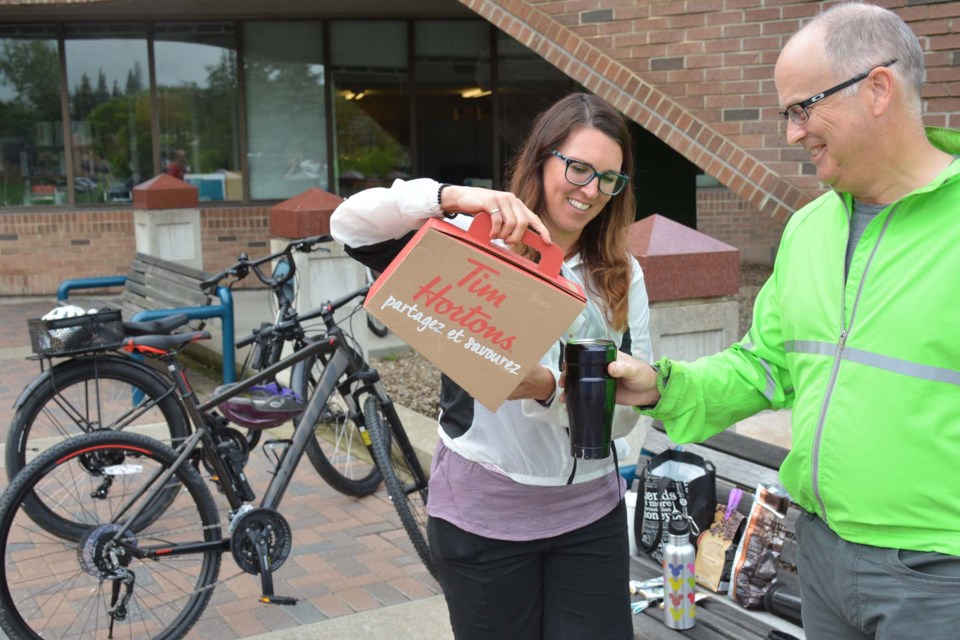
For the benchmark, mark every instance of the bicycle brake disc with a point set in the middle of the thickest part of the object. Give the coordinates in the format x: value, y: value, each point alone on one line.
x: 254, y: 526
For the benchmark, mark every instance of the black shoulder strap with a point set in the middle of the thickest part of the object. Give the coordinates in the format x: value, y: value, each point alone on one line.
x: 379, y: 256
x: 661, y: 492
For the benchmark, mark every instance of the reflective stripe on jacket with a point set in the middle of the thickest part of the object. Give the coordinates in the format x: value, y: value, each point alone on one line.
x: 870, y: 367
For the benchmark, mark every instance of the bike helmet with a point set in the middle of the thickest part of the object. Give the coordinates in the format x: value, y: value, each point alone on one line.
x: 64, y: 311
x: 262, y: 406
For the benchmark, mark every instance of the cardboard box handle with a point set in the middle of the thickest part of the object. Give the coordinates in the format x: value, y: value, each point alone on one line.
x: 551, y: 257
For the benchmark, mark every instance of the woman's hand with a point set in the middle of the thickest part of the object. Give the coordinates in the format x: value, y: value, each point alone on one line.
x: 509, y: 215
x: 538, y: 385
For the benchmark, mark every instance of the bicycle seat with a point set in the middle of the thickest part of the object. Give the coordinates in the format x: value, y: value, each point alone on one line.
x: 159, y: 345
x: 155, y: 327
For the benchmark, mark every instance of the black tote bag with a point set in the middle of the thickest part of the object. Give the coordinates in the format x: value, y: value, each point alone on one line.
x: 674, y: 482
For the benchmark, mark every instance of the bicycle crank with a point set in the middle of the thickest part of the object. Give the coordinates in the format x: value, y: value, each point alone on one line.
x: 260, y: 544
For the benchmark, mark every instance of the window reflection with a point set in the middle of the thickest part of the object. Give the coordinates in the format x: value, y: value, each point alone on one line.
x: 109, y: 110
x: 371, y: 103
x: 528, y: 85
x: 196, y: 69
x: 454, y: 102
x: 284, y: 74
x: 32, y: 162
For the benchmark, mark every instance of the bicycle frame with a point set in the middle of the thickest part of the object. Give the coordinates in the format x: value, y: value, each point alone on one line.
x: 341, y: 362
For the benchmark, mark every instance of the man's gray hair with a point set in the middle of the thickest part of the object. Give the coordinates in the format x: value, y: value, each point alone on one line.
x: 860, y: 35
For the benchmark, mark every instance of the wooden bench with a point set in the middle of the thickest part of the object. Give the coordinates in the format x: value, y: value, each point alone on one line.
x: 155, y: 288
x: 740, y: 462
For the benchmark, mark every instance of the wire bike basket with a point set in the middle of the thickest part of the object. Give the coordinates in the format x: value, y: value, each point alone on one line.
x: 67, y: 336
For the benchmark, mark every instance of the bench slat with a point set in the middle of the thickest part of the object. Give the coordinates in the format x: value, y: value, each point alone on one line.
x: 154, y: 283
x: 186, y: 292
x: 174, y: 267
x: 736, y: 470
x: 715, y: 620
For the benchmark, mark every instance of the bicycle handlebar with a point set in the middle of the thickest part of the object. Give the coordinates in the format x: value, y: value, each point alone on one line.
x: 326, y: 310
x: 244, y: 265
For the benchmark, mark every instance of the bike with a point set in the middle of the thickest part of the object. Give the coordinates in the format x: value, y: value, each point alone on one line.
x: 115, y: 534
x: 378, y: 328
x: 97, y: 388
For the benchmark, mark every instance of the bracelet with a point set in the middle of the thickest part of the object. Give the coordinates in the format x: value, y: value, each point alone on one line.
x: 448, y: 216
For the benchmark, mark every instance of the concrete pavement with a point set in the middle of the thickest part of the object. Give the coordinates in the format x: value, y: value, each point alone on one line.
x: 351, y: 567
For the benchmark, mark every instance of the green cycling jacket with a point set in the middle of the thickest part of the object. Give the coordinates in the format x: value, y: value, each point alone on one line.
x: 870, y: 367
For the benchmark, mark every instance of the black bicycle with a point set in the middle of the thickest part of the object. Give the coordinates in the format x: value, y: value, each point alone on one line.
x: 114, y: 534
x: 96, y: 388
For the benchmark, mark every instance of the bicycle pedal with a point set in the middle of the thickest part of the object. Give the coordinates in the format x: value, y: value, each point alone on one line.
x: 216, y: 482
x: 284, y: 600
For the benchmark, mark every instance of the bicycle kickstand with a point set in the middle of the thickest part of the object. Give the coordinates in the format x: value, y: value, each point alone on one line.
x: 266, y: 574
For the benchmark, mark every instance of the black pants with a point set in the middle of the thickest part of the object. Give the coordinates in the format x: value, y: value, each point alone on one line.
x: 570, y: 587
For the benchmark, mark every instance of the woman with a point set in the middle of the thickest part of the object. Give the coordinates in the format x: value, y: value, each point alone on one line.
x: 529, y: 543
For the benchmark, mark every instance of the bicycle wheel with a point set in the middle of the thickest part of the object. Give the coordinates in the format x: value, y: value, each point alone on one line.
x: 337, y: 450
x: 101, y: 585
x: 91, y: 394
x: 402, y: 474
x: 88, y: 395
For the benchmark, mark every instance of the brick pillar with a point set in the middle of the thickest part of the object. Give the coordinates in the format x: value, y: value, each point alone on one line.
x: 167, y: 220
x: 692, y: 280
x: 321, y: 275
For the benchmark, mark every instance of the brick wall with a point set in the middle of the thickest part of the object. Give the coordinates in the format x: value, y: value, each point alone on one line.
x: 698, y: 74
x: 39, y: 250
x: 721, y: 214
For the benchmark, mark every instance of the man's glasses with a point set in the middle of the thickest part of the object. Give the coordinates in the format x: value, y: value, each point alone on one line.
x: 580, y: 173
x: 798, y: 114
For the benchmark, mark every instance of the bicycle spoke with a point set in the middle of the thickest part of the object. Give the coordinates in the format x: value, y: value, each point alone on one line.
x: 69, y: 587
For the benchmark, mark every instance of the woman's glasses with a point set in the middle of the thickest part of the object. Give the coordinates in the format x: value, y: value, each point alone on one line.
x: 580, y: 173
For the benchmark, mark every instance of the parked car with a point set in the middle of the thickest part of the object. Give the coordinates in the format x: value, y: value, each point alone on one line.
x: 84, y: 185
x: 120, y: 191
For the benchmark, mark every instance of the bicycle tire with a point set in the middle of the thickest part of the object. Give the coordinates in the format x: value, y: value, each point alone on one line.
x: 54, y: 587
x: 403, y: 477
x: 338, y: 451
x: 84, y: 395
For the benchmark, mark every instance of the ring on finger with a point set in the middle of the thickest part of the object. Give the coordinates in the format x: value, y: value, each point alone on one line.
x: 494, y: 212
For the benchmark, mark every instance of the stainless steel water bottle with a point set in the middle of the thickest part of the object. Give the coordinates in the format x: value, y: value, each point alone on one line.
x: 679, y: 576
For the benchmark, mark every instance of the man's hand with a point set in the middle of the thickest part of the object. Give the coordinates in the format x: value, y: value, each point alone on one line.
x: 636, y: 381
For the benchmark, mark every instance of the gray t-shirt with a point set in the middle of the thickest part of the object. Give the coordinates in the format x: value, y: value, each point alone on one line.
x: 863, y: 214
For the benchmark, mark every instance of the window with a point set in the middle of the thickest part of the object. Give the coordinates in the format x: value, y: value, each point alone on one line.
x: 527, y: 85
x: 371, y: 103
x: 32, y: 161
x: 196, y: 70
x: 108, y: 89
x: 454, y: 103
x: 284, y: 74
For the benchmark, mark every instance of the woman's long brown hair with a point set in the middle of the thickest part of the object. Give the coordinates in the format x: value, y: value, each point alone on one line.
x: 603, y: 243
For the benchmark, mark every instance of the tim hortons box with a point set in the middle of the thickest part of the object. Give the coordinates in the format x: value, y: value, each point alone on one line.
x: 479, y: 312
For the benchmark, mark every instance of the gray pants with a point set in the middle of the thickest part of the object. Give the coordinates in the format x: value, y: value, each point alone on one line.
x: 856, y: 592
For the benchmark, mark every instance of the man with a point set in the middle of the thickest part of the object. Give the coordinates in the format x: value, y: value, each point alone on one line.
x: 178, y: 166
x: 858, y: 330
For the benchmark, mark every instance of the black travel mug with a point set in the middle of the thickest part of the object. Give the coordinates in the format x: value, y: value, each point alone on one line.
x: 591, y: 395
